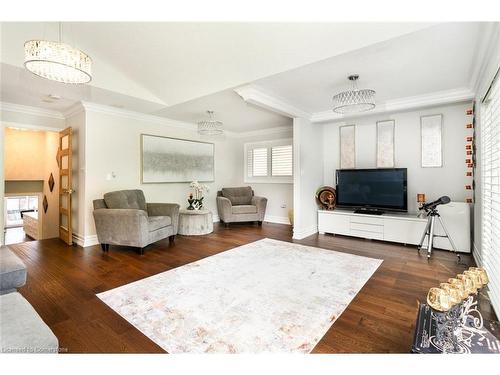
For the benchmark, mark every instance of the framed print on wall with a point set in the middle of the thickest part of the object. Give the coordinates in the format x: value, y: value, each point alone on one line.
x: 385, y: 144
x: 347, y: 146
x: 431, y: 138
x: 167, y: 159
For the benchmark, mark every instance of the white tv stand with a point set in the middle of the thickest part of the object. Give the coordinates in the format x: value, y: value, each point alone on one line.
x: 405, y: 228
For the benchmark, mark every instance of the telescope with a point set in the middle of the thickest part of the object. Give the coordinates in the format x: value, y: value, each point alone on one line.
x: 432, y: 205
x: 432, y: 213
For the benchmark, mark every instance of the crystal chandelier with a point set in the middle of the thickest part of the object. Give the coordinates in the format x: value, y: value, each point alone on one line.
x: 210, y: 126
x: 354, y: 100
x: 57, y: 61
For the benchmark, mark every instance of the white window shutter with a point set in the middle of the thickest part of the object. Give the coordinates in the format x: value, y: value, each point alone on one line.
x: 259, y: 163
x: 490, y: 193
x: 281, y: 160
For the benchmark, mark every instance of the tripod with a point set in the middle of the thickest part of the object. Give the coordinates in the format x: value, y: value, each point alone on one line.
x: 432, y: 214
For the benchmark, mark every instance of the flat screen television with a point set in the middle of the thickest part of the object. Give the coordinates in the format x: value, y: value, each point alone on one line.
x: 372, y: 190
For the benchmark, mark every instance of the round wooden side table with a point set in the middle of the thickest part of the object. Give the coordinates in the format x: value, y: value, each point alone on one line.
x: 195, y: 222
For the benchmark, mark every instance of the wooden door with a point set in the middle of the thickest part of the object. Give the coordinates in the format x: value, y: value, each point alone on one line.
x: 65, y: 185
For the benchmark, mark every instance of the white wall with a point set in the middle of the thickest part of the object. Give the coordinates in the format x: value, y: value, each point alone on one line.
x: 113, y: 145
x: 433, y: 182
x: 307, y: 175
x: 277, y: 194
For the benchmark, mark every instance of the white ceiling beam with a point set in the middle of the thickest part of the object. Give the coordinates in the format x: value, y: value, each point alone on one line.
x: 256, y: 96
x: 401, y: 105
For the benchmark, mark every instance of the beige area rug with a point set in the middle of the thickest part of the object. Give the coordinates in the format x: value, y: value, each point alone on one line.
x: 267, y: 296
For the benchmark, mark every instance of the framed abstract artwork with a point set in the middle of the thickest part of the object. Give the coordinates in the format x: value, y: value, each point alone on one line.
x: 347, y: 135
x: 385, y: 144
x: 167, y: 159
x: 431, y: 141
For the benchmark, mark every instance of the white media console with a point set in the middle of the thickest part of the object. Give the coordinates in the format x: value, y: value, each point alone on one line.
x: 405, y: 228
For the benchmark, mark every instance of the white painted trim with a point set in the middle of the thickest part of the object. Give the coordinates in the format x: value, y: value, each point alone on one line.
x: 299, y: 234
x: 255, y: 95
x: 402, y: 104
x: 476, y: 255
x: 99, y: 108
x: 261, y: 132
x: 277, y: 219
x: 28, y: 110
x: 74, y: 110
x: 85, y: 241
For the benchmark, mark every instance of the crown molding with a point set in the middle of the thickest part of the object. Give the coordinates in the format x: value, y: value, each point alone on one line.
x: 402, y: 104
x: 74, y: 110
x: 255, y: 95
x: 28, y: 110
x: 100, y: 108
x: 267, y: 131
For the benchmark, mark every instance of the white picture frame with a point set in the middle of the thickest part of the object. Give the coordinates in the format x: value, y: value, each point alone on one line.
x: 385, y: 144
x: 347, y: 136
x: 431, y: 141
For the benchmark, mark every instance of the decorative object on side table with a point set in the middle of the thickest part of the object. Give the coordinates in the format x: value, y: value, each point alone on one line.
x: 325, y: 197
x: 451, y: 322
x: 196, y: 197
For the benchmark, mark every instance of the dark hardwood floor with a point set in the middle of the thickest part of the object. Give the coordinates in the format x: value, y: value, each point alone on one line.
x: 63, y: 280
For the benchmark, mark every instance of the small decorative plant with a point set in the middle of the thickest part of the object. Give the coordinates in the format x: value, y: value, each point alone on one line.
x: 196, y: 197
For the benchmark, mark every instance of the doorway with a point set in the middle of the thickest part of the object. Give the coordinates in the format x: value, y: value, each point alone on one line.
x: 31, y: 173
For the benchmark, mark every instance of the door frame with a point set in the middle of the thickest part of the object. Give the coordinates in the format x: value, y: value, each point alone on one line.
x: 3, y: 125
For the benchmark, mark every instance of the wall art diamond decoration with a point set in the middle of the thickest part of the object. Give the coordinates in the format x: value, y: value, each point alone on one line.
x: 45, y: 204
x: 51, y: 182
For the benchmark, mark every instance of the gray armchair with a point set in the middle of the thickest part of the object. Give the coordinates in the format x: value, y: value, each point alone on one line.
x: 124, y: 218
x: 239, y: 205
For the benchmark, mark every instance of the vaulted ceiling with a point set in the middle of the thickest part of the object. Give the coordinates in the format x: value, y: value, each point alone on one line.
x: 179, y: 70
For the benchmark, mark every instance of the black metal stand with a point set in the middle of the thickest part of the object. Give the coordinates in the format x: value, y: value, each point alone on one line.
x: 429, y: 233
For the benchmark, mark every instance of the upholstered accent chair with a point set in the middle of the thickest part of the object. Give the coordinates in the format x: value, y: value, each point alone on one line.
x: 124, y: 218
x: 239, y: 205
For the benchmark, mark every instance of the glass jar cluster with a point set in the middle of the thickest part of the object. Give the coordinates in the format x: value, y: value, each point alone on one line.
x: 457, y: 289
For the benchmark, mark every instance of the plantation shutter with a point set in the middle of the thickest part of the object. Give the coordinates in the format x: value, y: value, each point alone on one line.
x: 259, y: 162
x: 281, y: 161
x: 490, y: 179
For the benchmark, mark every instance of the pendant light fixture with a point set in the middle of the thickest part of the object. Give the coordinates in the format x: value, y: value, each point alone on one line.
x: 57, y: 61
x: 210, y: 126
x: 354, y: 100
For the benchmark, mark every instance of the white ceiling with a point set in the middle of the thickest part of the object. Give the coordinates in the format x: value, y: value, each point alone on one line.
x: 229, y: 108
x: 435, y: 59
x: 179, y: 70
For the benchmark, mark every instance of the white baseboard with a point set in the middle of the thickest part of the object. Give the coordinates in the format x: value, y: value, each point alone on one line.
x: 277, y: 219
x: 85, y: 241
x: 476, y: 255
x: 299, y: 234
